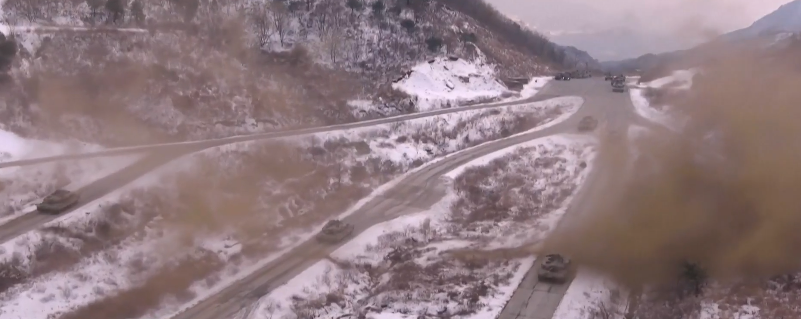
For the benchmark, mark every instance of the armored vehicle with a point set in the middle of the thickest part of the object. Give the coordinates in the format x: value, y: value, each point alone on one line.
x: 587, y: 123
x: 554, y: 268
x: 58, y: 202
x: 334, y: 231
x: 619, y: 84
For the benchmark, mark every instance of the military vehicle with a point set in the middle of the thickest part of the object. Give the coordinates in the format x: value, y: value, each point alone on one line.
x: 58, y: 202
x: 554, y: 268
x: 619, y: 83
x: 334, y: 231
x: 562, y: 77
x: 587, y: 123
x: 618, y: 86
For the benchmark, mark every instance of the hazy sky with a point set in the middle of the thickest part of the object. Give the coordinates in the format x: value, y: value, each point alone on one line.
x: 666, y: 16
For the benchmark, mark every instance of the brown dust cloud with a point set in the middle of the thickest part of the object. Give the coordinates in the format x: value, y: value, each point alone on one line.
x: 725, y: 192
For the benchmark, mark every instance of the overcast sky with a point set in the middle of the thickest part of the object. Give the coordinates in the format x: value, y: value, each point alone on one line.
x: 666, y: 16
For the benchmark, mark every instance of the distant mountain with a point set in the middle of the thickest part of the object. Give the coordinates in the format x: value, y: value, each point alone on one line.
x: 620, y: 43
x: 777, y: 29
x: 785, y: 19
x: 579, y: 58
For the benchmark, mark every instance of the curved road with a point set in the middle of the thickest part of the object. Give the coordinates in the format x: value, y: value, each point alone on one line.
x: 164, y: 153
x: 539, y: 300
x: 418, y: 191
x: 194, y: 146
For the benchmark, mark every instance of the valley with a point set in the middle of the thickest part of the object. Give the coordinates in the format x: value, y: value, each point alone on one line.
x: 336, y: 159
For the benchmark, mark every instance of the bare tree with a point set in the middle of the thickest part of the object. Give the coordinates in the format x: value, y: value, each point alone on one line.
x: 138, y: 11
x: 262, y: 23
x: 339, y: 18
x: 296, y: 11
x: 332, y: 44
x: 94, y: 6
x: 31, y: 10
x: 116, y: 11
x: 281, y: 22
x: 321, y: 14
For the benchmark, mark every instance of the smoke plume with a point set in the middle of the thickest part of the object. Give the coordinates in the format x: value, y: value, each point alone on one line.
x: 725, y: 192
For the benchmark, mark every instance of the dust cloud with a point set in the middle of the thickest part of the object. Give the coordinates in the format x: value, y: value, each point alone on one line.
x: 725, y: 192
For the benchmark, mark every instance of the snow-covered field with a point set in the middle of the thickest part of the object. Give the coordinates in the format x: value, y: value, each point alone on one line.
x: 655, y: 111
x: 534, y: 86
x: 22, y: 187
x: 397, y: 269
x: 138, y: 224
x: 591, y: 296
x: 444, y: 82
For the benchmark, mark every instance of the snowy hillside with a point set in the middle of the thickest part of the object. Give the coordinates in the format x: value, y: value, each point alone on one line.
x: 786, y: 18
x: 405, y: 268
x: 443, y: 81
x: 194, y: 69
x: 198, y: 223
x: 776, y: 31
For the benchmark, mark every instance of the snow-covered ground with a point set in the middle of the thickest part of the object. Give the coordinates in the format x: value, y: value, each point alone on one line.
x: 591, y: 296
x: 406, y: 144
x: 534, y: 86
x: 393, y: 145
x: 680, y: 80
x: 397, y: 270
x: 22, y: 187
x: 445, y: 82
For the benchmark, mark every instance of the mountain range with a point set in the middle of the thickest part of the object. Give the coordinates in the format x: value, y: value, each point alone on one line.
x: 779, y: 27
x: 623, y: 42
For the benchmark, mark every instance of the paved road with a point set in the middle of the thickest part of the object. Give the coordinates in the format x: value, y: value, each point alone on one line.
x: 418, y: 191
x: 538, y: 300
x: 89, y: 193
x: 195, y: 146
x: 164, y: 153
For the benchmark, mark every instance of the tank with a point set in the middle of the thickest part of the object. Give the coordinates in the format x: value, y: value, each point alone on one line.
x: 334, y: 231
x: 58, y: 202
x: 587, y: 123
x: 554, y: 269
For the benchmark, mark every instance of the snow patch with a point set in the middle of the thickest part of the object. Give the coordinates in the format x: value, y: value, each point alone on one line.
x: 681, y: 79
x: 709, y: 310
x: 588, y: 294
x: 445, y: 80
x: 533, y: 87
x: 678, y: 80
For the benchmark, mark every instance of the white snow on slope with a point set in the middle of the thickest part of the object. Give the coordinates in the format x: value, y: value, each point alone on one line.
x: 533, y: 87
x: 589, y: 293
x: 709, y: 310
x: 682, y: 79
x: 447, y: 122
x: 406, y: 153
x: 58, y: 292
x: 320, y: 276
x: 484, y: 160
x: 679, y: 80
x: 444, y: 81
